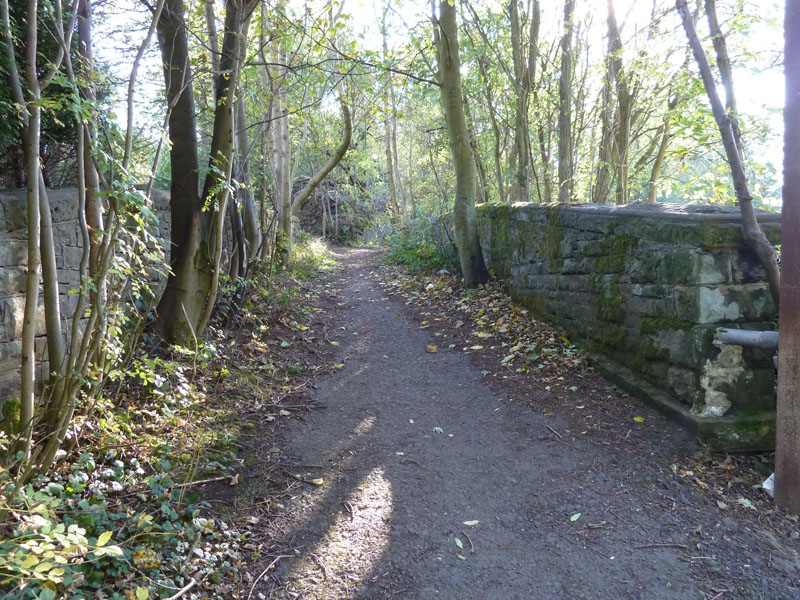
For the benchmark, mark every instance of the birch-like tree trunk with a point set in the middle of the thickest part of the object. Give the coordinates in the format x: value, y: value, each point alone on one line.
x: 281, y: 155
x: 565, y: 144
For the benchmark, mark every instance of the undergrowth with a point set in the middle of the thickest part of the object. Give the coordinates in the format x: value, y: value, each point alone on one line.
x: 121, y: 515
x: 420, y: 254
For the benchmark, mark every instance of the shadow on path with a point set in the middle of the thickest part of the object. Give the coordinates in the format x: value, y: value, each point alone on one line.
x: 412, y: 444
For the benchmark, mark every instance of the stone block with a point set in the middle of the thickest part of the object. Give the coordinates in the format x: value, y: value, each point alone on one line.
x: 72, y: 256
x: 724, y: 303
x: 13, y: 253
x: 681, y: 266
x: 12, y: 280
x: 15, y: 210
x: 13, y: 317
x: 65, y: 233
x: 63, y: 205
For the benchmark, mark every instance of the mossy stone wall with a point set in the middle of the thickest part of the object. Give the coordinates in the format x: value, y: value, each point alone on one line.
x: 13, y: 270
x: 647, y: 287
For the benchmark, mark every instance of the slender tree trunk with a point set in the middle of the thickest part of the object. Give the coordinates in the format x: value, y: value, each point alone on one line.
x: 338, y: 155
x: 94, y: 209
x: 476, y: 154
x: 752, y: 233
x: 524, y: 75
x: 31, y: 125
x: 565, y: 106
x: 244, y: 193
x: 282, y: 156
x: 622, y: 126
x: 497, y: 154
x: 787, y: 443
x: 664, y: 136
x: 725, y: 72
x: 473, y: 267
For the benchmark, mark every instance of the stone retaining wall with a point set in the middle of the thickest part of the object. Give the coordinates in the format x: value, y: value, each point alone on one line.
x: 13, y: 262
x: 645, y: 288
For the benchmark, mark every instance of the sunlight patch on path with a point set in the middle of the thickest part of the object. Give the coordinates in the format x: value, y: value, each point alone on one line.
x: 345, y: 559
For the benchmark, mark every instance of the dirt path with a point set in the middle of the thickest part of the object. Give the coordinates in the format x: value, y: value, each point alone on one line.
x: 412, y: 445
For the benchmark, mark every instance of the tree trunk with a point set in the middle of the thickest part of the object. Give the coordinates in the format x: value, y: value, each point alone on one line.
x: 94, y: 209
x: 244, y: 192
x: 281, y: 169
x: 624, y: 112
x: 31, y: 125
x: 524, y: 75
x: 476, y: 154
x: 347, y: 134
x: 469, y: 249
x: 752, y: 233
x: 390, y: 168
x: 725, y: 72
x: 664, y: 135
x: 197, y: 219
x: 565, y: 106
x: 787, y: 437
x: 497, y: 154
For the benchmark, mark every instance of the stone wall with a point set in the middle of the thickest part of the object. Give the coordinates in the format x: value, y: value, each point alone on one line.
x: 13, y: 262
x: 645, y: 288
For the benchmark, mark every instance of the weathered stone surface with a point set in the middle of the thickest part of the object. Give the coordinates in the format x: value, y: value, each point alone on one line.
x: 13, y: 263
x: 13, y: 253
x: 647, y: 286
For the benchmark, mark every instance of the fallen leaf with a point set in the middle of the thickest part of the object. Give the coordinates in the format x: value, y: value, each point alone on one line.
x: 458, y: 542
x: 431, y: 349
x: 639, y: 419
x: 471, y: 523
x: 235, y: 480
x: 746, y: 503
x: 437, y: 430
x: 575, y: 517
x: 476, y: 347
x: 339, y: 366
x: 285, y: 413
x: 721, y: 504
x: 461, y: 557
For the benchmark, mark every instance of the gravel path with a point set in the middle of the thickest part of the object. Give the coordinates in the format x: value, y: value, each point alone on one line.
x: 413, y: 444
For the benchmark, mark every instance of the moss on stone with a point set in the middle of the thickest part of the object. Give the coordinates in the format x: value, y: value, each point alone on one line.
x: 553, y: 236
x: 616, y: 249
x: 654, y: 326
x: 610, y: 305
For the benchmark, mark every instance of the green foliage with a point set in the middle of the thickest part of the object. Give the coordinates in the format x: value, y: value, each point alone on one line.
x: 420, y: 255
x: 101, y: 521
